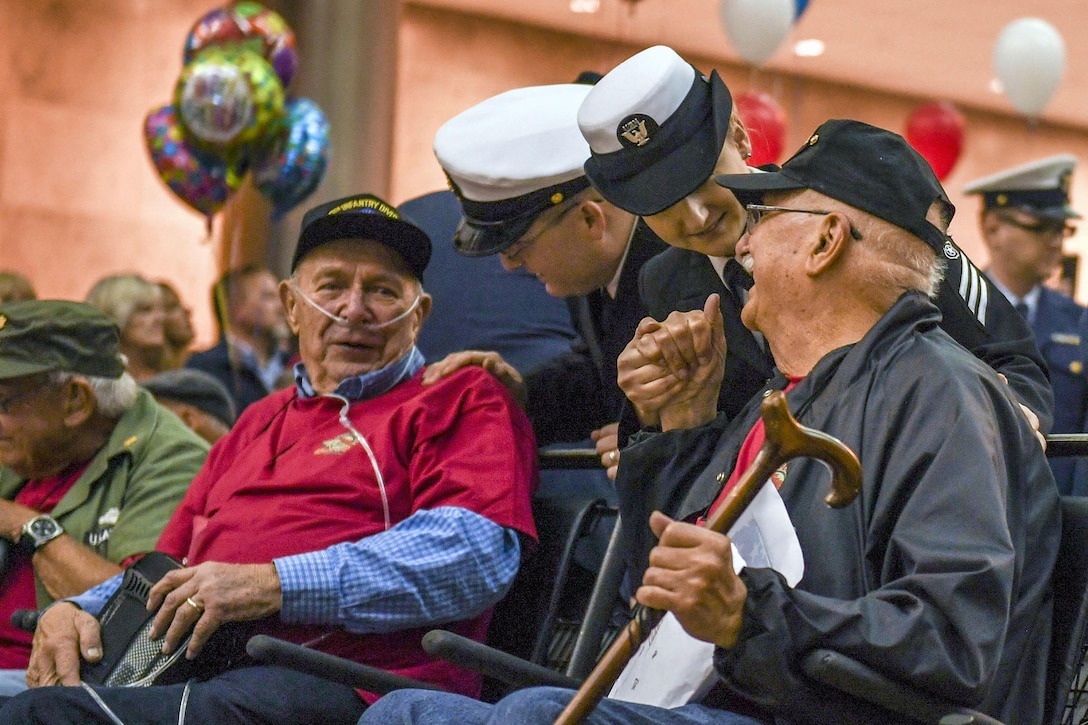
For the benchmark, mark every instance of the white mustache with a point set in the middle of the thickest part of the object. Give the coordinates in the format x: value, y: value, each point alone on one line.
x: 745, y: 261
x: 343, y: 320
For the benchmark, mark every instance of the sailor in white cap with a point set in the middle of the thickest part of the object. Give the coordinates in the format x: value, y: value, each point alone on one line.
x: 659, y: 131
x: 515, y: 163
x: 1025, y: 218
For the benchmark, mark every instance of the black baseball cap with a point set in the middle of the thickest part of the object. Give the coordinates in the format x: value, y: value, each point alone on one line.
x: 364, y: 216
x: 38, y: 336
x: 869, y: 168
x: 656, y: 127
x: 196, y: 388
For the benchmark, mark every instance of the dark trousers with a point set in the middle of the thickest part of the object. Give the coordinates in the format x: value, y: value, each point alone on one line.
x: 531, y: 706
x: 249, y: 696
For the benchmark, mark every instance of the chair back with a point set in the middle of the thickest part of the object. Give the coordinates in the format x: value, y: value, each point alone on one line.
x: 1066, y: 675
x: 525, y: 619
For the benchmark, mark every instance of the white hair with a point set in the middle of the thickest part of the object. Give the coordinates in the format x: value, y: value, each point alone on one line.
x: 896, y: 260
x: 113, y: 395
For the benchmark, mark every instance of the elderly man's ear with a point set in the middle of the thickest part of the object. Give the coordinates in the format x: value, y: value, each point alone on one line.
x: 828, y: 247
x: 425, y: 302
x: 290, y: 303
x: 78, y: 402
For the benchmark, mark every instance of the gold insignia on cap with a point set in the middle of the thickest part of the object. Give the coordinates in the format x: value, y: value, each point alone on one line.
x: 1075, y: 367
x: 1001, y: 200
x: 3, y: 321
x: 366, y: 202
x: 556, y: 198
x: 130, y: 441
x: 636, y: 132
x: 812, y: 139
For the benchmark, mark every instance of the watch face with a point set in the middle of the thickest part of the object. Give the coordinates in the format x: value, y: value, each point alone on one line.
x: 41, y: 528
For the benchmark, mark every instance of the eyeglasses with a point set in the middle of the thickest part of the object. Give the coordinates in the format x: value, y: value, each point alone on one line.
x: 1042, y: 228
x: 756, y: 212
x: 518, y: 248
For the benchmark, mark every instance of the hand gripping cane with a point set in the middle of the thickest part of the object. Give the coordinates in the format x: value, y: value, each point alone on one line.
x: 785, y: 440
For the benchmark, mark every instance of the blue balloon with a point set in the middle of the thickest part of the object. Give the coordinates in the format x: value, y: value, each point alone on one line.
x: 290, y: 168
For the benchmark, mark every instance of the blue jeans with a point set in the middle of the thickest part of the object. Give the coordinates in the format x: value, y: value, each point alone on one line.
x: 532, y: 706
x: 248, y: 696
x: 12, y: 682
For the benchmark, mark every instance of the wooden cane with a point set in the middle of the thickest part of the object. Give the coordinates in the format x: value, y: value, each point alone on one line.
x: 785, y: 440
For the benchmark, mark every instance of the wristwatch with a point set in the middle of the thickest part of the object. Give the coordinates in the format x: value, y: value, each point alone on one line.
x: 40, y: 530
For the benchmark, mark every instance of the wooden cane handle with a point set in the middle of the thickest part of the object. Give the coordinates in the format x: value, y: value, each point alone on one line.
x: 785, y: 440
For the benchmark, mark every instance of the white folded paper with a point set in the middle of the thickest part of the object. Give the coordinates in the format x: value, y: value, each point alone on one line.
x: 672, y: 668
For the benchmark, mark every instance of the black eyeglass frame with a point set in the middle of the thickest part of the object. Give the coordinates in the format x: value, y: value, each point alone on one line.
x: 1043, y: 227
x: 757, y: 211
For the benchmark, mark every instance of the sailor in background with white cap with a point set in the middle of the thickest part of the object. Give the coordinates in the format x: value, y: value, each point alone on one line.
x: 515, y: 163
x: 659, y: 131
x: 1025, y: 218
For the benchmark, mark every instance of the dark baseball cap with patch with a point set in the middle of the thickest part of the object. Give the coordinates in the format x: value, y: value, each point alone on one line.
x: 656, y: 127
x: 869, y: 168
x: 38, y: 336
x: 364, y: 216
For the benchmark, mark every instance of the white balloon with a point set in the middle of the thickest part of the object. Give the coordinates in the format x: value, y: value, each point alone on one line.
x: 757, y: 27
x: 1029, y: 59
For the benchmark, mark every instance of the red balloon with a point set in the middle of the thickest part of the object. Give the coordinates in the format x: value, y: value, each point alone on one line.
x: 766, y: 124
x: 935, y: 130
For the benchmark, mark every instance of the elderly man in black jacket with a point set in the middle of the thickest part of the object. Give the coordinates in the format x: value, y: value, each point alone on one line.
x: 692, y: 133
x: 938, y: 573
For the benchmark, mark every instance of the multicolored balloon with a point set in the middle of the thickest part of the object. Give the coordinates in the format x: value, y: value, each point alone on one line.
x: 201, y: 181
x: 227, y: 98
x: 295, y: 161
x: 250, y: 25
x: 229, y: 115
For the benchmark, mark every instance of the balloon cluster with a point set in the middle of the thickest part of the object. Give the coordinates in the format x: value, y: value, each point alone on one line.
x: 1029, y: 59
x: 231, y: 115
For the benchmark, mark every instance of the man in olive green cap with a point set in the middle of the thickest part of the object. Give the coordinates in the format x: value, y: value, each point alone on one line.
x: 91, y: 468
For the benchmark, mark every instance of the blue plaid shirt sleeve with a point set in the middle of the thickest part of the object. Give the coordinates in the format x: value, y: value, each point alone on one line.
x: 96, y: 597
x: 436, y: 566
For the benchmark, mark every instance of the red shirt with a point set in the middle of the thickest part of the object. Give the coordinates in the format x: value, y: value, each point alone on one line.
x: 748, y: 451
x: 17, y: 591
x: 290, y: 478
